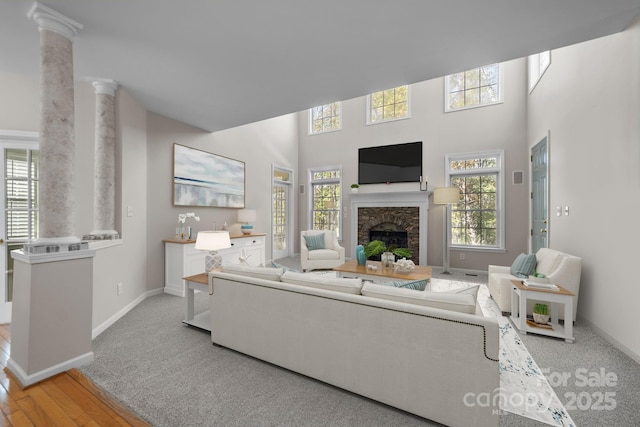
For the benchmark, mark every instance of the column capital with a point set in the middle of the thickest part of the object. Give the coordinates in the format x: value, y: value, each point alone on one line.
x: 105, y: 86
x: 49, y: 19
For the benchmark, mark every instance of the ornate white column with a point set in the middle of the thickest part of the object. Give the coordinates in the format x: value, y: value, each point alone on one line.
x: 105, y: 162
x: 57, y: 136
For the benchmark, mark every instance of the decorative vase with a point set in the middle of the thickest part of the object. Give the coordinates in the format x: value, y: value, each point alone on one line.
x: 360, y: 256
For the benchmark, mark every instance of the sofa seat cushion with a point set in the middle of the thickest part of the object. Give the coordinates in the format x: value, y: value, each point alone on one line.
x: 267, y: 273
x: 461, y: 300
x: 323, y: 254
x: 346, y: 285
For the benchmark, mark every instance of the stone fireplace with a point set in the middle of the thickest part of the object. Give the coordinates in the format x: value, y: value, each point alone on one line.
x: 395, y: 218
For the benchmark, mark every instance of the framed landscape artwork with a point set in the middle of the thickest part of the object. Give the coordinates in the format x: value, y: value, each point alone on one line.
x: 206, y: 179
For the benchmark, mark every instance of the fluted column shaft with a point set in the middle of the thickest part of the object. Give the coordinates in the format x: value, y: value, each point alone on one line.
x: 105, y: 159
x: 57, y: 134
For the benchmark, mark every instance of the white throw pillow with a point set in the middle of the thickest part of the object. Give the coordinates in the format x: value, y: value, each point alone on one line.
x: 267, y: 273
x: 462, y: 300
x: 346, y: 285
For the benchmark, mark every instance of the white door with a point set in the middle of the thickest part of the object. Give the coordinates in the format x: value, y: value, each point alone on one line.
x: 19, y: 202
x: 539, y: 196
x: 282, y: 224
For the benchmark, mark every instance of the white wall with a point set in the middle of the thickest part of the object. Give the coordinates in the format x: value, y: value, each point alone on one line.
x: 126, y: 263
x: 259, y: 145
x: 500, y: 126
x: 588, y: 100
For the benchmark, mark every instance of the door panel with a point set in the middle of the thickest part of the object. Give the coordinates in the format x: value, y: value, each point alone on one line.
x: 281, y: 233
x: 539, y: 196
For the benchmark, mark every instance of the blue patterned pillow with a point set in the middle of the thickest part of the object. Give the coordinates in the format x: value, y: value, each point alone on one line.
x: 524, y: 265
x: 418, y: 285
x: 314, y: 241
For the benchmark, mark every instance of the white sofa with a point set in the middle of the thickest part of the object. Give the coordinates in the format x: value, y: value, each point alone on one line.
x: 561, y: 268
x: 332, y: 255
x: 428, y: 361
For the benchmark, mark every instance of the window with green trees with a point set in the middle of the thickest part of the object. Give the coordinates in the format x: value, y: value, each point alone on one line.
x: 325, y: 118
x: 473, y: 88
x: 326, y: 199
x: 386, y: 105
x: 477, y: 219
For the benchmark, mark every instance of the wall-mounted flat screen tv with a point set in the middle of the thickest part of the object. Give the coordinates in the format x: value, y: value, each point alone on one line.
x: 390, y: 163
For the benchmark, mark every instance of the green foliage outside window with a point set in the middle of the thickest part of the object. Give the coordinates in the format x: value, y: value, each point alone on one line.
x: 389, y: 104
x: 474, y: 217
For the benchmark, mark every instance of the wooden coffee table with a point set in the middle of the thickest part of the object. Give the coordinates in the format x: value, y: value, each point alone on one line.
x: 351, y: 268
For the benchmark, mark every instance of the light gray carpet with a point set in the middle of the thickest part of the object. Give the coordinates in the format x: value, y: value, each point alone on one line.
x: 171, y: 375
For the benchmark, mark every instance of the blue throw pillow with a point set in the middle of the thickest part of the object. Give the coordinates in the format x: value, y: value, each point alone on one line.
x: 314, y: 241
x: 284, y: 267
x: 524, y: 265
x: 418, y: 285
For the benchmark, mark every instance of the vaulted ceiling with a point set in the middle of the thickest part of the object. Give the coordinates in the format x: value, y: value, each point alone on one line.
x: 217, y: 64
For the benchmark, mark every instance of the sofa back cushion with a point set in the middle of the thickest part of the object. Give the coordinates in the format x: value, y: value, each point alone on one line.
x: 548, y: 260
x: 462, y: 300
x: 346, y: 285
x: 267, y: 273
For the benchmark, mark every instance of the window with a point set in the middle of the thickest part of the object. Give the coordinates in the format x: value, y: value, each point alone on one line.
x: 477, y: 220
x: 325, y: 118
x: 325, y: 199
x: 387, y: 105
x: 538, y: 64
x: 473, y: 88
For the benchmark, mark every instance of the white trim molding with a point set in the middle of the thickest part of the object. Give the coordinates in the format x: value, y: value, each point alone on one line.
x: 52, y: 20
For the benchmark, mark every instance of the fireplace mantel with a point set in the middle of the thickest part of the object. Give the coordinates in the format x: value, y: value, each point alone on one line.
x: 418, y: 199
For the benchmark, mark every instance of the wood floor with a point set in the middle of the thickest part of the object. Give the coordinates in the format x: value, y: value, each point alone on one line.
x: 67, y: 399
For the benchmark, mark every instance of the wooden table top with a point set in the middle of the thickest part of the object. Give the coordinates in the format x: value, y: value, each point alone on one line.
x: 198, y: 278
x: 562, y: 291
x: 352, y: 267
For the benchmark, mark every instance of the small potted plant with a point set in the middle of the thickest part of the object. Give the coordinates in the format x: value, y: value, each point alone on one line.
x: 354, y: 188
x: 376, y: 248
x: 541, y: 313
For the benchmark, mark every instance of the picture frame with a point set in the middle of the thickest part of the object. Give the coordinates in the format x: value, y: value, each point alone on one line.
x: 201, y: 178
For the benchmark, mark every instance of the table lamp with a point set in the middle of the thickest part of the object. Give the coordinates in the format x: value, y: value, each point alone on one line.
x: 446, y: 196
x: 247, y: 216
x: 213, y: 241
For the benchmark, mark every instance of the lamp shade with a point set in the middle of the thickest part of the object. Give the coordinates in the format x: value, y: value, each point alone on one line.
x: 213, y: 240
x: 446, y: 195
x: 246, y: 215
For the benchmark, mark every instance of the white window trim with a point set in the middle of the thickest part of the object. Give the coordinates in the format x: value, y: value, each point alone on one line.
x: 395, y: 119
x: 310, y: 131
x: 310, y: 183
x: 500, y: 196
x: 535, y: 71
x: 468, y: 107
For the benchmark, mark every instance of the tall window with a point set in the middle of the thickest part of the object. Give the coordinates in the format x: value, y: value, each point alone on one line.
x: 473, y: 88
x: 387, y: 105
x: 538, y: 64
x: 477, y: 220
x: 326, y: 199
x: 325, y: 118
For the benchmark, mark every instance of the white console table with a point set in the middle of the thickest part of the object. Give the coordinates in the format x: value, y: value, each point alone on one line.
x: 182, y: 259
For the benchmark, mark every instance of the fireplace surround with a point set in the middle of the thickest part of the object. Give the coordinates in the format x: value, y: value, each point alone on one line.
x: 393, y: 211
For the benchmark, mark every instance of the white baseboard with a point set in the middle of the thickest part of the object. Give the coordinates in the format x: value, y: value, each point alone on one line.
x: 113, y: 319
x: 614, y: 342
x: 27, y: 380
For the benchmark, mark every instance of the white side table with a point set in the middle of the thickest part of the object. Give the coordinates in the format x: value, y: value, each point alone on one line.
x: 519, y: 296
x: 199, y: 282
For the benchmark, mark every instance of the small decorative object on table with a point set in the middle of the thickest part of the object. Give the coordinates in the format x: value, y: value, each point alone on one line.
x: 403, y: 266
x: 387, y: 259
x: 247, y: 216
x: 354, y: 188
x: 361, y: 258
x: 541, y: 313
x: 183, y: 231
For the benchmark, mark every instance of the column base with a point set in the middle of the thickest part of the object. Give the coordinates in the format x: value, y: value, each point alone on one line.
x: 102, y: 235
x: 46, y: 245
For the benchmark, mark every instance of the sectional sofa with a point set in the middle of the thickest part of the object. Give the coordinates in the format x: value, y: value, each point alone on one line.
x: 423, y: 352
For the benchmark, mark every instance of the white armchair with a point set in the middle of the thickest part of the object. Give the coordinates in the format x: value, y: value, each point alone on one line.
x: 559, y: 267
x: 330, y: 256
